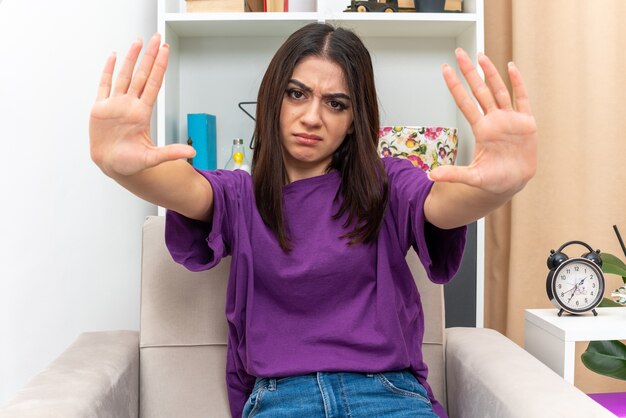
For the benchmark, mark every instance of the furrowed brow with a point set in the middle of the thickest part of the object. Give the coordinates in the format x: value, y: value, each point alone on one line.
x: 333, y: 96
x: 329, y: 96
x: 301, y: 85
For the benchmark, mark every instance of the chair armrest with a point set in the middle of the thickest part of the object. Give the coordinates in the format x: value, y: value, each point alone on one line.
x: 97, y: 376
x: 488, y: 375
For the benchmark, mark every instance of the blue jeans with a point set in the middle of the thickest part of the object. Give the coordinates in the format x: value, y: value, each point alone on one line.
x: 395, y: 394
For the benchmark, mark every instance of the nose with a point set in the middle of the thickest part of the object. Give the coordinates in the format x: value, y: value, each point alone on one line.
x: 311, y: 115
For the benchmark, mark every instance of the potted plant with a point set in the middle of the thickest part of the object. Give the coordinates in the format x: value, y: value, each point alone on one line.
x: 608, y: 358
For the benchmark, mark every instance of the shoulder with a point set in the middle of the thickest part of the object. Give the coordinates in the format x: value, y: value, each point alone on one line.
x: 401, y: 169
x: 228, y: 180
x: 228, y: 176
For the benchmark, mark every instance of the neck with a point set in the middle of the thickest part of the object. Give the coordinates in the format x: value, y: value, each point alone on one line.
x: 295, y: 175
x: 300, y: 170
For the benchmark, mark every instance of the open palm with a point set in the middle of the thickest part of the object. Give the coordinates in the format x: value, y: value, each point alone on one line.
x: 506, y: 140
x: 119, y: 125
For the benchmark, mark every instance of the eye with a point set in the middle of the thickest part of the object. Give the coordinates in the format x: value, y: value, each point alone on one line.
x: 295, y: 94
x: 336, y: 105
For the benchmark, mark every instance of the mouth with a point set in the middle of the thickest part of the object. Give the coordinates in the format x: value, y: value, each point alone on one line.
x: 307, y: 139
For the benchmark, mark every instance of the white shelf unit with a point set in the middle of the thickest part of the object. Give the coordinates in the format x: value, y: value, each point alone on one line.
x: 218, y: 59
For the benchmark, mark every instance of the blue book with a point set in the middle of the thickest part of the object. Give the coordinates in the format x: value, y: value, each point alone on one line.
x: 202, y: 132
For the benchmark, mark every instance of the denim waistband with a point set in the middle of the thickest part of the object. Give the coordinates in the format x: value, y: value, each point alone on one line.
x: 273, y: 382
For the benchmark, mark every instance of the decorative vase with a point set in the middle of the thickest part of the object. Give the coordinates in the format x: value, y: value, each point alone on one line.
x: 426, y: 147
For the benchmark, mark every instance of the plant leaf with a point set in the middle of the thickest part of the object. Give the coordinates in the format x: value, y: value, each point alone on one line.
x: 607, y: 358
x: 608, y: 303
x: 613, y: 265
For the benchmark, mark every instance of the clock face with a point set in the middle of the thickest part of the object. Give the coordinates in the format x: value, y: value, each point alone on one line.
x: 578, y: 285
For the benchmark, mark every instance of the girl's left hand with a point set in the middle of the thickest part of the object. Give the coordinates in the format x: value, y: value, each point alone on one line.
x: 506, y: 136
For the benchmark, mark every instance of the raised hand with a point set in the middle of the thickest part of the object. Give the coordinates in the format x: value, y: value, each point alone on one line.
x: 119, y: 124
x: 506, y: 140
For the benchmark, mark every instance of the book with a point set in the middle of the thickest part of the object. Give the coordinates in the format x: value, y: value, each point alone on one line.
x: 255, y: 5
x: 202, y: 134
x: 209, y: 6
x: 276, y: 5
x: 453, y: 6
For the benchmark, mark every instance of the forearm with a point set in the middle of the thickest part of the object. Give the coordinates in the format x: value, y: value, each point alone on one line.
x: 174, y: 185
x: 450, y: 205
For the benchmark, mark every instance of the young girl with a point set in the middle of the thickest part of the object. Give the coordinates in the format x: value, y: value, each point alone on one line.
x: 324, y: 317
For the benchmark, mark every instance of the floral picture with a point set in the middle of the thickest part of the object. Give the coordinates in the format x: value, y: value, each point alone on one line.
x: 427, y: 147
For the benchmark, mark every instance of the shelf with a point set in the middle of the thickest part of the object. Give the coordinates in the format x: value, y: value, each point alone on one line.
x: 218, y: 59
x: 237, y: 24
x: 414, y: 25
x: 283, y: 24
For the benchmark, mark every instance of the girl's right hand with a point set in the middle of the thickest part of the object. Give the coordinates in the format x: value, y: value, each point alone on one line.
x: 119, y: 124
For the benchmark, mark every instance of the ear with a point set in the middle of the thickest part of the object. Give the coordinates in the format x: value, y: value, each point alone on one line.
x: 351, y: 129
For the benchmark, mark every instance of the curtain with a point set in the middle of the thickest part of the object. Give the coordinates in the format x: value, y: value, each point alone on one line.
x: 571, y: 55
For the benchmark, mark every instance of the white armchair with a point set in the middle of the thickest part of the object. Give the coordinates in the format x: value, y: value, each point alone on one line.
x: 175, y: 366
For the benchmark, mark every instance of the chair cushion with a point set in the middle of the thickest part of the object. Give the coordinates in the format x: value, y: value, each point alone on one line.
x: 179, y: 307
x: 183, y: 334
x: 186, y: 381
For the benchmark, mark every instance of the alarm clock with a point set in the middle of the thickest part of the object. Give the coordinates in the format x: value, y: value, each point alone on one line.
x: 575, y: 285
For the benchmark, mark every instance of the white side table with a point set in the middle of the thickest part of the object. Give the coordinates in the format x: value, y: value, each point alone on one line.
x: 552, y: 339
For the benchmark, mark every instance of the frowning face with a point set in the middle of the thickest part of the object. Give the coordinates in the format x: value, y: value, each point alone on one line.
x: 315, y: 116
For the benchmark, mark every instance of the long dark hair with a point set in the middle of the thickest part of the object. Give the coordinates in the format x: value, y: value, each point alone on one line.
x: 363, y: 179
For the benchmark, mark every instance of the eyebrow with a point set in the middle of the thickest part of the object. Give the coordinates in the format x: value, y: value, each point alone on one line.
x: 308, y: 89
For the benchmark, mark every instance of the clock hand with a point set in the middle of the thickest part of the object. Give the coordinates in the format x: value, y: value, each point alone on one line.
x: 567, y: 291
x: 573, y: 293
x: 575, y: 288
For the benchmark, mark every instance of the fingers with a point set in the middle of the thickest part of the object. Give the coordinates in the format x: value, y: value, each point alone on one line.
x: 126, y: 72
x: 143, y: 71
x: 475, y: 82
x: 453, y: 174
x: 104, y: 89
x: 155, y: 79
x: 496, y: 84
x: 462, y: 99
x: 492, y: 94
x: 170, y: 153
x: 146, y: 81
x: 519, y: 90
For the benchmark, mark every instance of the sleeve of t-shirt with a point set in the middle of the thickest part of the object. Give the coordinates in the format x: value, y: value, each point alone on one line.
x: 439, y: 250
x: 201, y: 245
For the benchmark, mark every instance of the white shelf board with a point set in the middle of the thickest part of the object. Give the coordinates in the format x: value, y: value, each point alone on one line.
x: 237, y: 24
x: 406, y: 28
x: 282, y: 24
x: 610, y: 324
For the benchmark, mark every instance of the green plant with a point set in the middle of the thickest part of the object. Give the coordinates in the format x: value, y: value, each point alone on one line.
x: 608, y: 358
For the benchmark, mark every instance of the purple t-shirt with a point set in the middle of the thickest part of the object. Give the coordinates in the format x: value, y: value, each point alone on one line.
x: 325, y: 306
